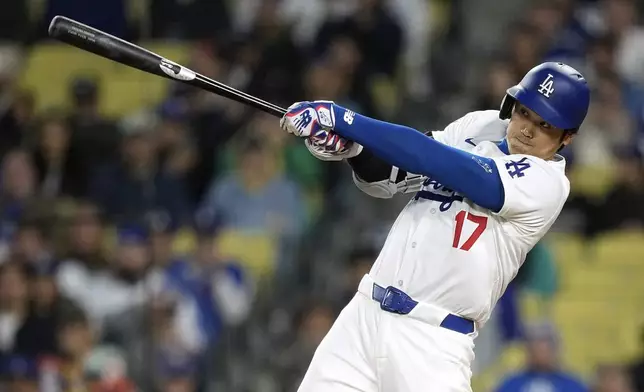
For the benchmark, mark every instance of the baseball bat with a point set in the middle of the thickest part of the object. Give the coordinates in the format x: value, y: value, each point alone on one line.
x: 116, y: 49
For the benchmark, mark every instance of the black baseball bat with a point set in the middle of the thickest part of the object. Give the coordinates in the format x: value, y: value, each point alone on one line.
x: 116, y: 49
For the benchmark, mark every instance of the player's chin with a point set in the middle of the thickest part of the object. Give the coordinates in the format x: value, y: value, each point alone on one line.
x: 518, y: 147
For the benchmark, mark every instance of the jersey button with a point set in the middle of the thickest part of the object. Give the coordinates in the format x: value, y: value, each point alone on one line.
x: 413, y: 244
x: 400, y: 283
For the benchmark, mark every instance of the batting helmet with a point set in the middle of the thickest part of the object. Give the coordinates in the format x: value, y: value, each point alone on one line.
x: 555, y: 91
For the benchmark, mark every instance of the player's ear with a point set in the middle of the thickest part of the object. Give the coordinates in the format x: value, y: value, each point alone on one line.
x: 567, y: 138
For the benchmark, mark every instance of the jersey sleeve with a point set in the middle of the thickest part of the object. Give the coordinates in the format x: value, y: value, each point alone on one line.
x: 535, y: 192
x: 473, y: 128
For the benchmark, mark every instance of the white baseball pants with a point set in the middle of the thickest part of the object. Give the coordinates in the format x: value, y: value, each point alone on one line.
x: 370, y: 350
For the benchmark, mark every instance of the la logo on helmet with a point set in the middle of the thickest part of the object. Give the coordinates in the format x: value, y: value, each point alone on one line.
x: 547, y: 86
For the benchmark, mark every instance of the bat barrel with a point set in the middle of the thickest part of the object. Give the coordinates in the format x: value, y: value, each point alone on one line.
x: 103, y: 44
x: 116, y: 49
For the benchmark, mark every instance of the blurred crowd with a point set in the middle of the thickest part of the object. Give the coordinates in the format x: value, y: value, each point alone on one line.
x: 192, y: 246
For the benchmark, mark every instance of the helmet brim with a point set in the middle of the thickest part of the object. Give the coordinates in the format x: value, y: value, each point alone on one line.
x: 540, y: 105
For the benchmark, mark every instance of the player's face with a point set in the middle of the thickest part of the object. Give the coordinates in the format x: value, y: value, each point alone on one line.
x: 529, y: 134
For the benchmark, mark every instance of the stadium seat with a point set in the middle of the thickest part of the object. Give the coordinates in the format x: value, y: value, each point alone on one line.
x: 51, y: 66
x: 596, y: 310
x: 255, y: 251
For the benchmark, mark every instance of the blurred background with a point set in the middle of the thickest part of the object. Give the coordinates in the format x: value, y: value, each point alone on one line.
x: 154, y: 237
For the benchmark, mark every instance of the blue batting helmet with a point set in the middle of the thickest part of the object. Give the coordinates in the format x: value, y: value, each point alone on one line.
x: 555, y: 91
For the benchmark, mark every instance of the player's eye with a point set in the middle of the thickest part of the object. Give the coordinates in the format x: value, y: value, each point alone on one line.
x: 545, y: 125
x: 523, y: 112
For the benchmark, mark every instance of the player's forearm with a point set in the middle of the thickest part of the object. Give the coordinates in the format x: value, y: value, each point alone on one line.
x: 473, y: 176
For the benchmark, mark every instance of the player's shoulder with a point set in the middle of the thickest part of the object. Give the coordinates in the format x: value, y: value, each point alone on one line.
x: 485, y: 119
x: 475, y: 127
x: 537, y: 174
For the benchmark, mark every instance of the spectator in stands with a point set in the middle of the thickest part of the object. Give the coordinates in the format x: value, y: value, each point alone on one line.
x: 636, y: 369
x: 20, y: 373
x: 129, y: 189
x: 176, y: 373
x: 95, y: 137
x: 17, y: 193
x: 16, y: 119
x: 621, y: 22
x: 212, y: 119
x: 31, y: 243
x: 78, y: 343
x: 564, y: 31
x: 352, y: 43
x: 293, y: 158
x: 14, y: 21
x: 158, y: 342
x: 217, y: 286
x: 525, y: 48
x: 359, y: 263
x: 59, y: 168
x: 175, y: 148
x: 622, y: 207
x: 609, y: 126
x: 85, y: 239
x: 601, y: 57
x: 378, y: 35
x: 106, y: 370
x: 188, y: 20
x: 539, y: 277
x: 109, y: 16
x: 312, y: 322
x: 612, y: 378
x: 163, y: 232
x: 266, y: 50
x: 223, y: 287
x: 602, y: 63
x: 332, y: 77
x: 37, y: 334
x: 173, y: 273
x: 14, y: 305
x: 259, y: 198
x: 543, y: 370
x: 104, y: 297
x: 499, y: 77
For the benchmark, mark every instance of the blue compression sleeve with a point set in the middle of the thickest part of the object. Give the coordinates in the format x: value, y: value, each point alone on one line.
x: 474, y: 176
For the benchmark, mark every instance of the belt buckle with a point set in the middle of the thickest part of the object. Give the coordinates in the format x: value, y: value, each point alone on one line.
x: 394, y: 301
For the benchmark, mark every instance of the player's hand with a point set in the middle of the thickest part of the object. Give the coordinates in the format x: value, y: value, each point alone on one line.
x: 309, y: 120
x: 333, y: 148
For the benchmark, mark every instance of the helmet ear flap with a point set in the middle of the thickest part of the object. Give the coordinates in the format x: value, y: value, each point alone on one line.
x: 507, y: 104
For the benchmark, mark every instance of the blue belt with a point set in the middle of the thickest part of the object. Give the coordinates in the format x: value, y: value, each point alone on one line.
x: 396, y: 301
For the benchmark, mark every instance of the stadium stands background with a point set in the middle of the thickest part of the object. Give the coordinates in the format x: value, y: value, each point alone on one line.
x: 159, y: 238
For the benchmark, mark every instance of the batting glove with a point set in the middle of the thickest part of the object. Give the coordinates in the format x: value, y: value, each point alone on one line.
x: 315, y: 121
x: 334, y: 148
x: 309, y: 119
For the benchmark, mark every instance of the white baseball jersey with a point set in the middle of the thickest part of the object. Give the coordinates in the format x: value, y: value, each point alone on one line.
x: 445, y: 250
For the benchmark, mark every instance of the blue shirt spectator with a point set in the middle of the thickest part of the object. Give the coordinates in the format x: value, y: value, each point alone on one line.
x: 543, y: 372
x: 259, y: 198
x: 219, y: 286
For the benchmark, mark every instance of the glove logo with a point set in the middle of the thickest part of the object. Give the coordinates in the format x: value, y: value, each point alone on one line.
x: 546, y: 88
x: 303, y: 120
x: 324, y: 115
x: 349, y: 116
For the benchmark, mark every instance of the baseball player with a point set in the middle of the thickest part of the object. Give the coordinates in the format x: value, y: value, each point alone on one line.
x: 487, y: 189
